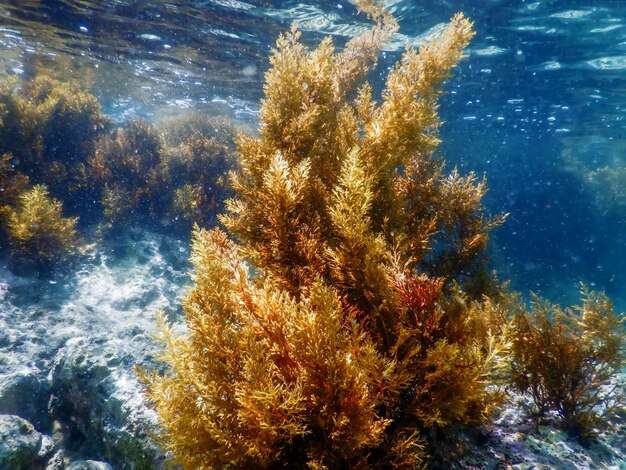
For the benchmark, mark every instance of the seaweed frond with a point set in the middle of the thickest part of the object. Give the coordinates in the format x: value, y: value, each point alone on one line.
x: 568, y: 359
x: 273, y: 377
x: 37, y: 228
x: 12, y: 182
x: 45, y: 121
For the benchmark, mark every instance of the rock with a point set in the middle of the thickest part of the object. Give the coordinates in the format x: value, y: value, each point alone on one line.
x: 78, y: 386
x: 5, y: 339
x: 57, y: 462
x: 68, y: 346
x: 46, y: 448
x: 97, y: 405
x: 21, y: 445
x: 25, y: 393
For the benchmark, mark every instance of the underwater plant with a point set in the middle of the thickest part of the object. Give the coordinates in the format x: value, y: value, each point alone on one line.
x: 567, y: 359
x: 609, y: 185
x: 58, y: 137
x: 37, y: 229
x: 51, y: 128
x: 334, y: 330
x: 198, y: 151
x: 12, y: 182
x: 125, y: 171
x: 157, y: 175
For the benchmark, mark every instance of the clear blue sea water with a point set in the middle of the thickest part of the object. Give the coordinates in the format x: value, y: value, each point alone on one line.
x: 538, y: 107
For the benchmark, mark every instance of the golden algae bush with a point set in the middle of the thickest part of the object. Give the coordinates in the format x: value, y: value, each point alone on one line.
x: 350, y: 313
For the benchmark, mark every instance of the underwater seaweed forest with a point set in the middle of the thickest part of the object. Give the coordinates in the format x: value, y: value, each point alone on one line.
x: 327, y: 235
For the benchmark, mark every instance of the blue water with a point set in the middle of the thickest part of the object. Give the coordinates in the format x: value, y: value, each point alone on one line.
x: 537, y: 117
x: 537, y: 107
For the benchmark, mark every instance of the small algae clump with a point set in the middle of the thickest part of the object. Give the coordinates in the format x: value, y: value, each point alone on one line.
x: 37, y: 229
x: 198, y: 152
x: 349, y: 319
x: 12, y: 184
x: 609, y: 185
x: 31, y: 221
x: 568, y: 359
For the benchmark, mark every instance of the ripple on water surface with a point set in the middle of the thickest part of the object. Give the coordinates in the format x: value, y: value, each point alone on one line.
x: 609, y: 63
x: 571, y: 14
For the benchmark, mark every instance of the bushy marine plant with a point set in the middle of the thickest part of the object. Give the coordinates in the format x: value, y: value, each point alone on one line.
x: 609, y: 185
x: 12, y: 184
x: 37, y: 228
x: 125, y: 171
x: 198, y: 153
x: 568, y: 359
x: 164, y: 174
x: 335, y: 331
x: 50, y: 127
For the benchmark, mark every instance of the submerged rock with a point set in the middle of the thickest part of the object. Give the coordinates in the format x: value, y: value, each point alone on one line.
x: 97, y: 405
x: 21, y: 446
x: 57, y: 462
x: 67, y: 351
x: 517, y: 441
x: 25, y: 393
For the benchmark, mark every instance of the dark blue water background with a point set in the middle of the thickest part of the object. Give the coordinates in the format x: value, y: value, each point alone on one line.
x: 537, y: 107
